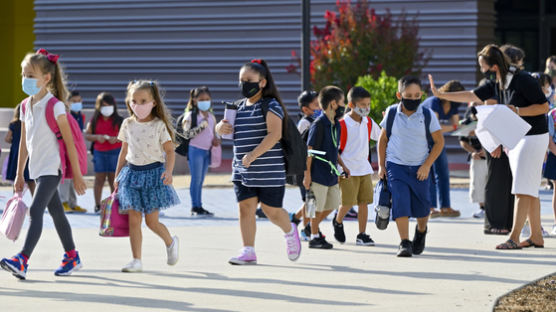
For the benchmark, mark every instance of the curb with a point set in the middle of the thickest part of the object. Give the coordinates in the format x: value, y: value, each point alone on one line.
x: 519, y: 288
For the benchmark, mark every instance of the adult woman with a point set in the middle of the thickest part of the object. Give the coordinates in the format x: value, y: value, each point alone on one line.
x: 523, y: 95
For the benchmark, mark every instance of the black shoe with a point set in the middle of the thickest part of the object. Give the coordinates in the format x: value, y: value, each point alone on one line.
x: 319, y: 243
x: 364, y: 240
x: 201, y: 212
x: 293, y: 219
x: 339, y: 234
x: 97, y: 209
x: 307, y: 230
x: 260, y: 214
x: 419, y: 241
x: 406, y: 249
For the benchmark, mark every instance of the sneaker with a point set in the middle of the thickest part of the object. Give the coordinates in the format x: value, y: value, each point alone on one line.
x: 405, y: 249
x: 67, y: 208
x: 480, y: 214
x: 78, y: 209
x: 320, y: 243
x: 553, y: 232
x: 304, y: 236
x: 293, y: 219
x: 201, y: 212
x: 526, y: 231
x: 260, y: 214
x: 16, y: 266
x: 351, y: 215
x: 69, y: 265
x: 133, y: 267
x: 97, y: 209
x: 173, y: 251
x: 246, y: 257
x: 419, y: 241
x: 364, y: 240
x: 293, y: 243
x: 339, y: 233
x: 544, y: 233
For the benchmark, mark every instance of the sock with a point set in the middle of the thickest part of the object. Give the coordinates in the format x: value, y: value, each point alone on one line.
x: 313, y: 236
x: 25, y: 257
x: 292, y: 230
x: 249, y: 248
x: 72, y: 253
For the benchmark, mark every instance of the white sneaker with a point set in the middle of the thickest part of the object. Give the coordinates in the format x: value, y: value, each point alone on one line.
x: 173, y: 251
x: 553, y: 232
x: 544, y: 233
x: 526, y: 231
x: 480, y: 214
x: 134, y: 266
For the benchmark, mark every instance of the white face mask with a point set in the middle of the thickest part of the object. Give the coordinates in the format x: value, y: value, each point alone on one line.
x: 107, y: 111
x: 549, y: 92
x: 363, y: 112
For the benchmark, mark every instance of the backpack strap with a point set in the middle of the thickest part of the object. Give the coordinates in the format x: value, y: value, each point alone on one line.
x: 392, y: 111
x: 24, y: 105
x: 50, y: 119
x: 343, y: 135
x: 369, y: 126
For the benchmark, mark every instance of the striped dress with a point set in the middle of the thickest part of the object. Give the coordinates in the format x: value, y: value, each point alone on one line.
x: 268, y: 170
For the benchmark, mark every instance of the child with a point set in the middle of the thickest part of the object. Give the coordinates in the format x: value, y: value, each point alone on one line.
x: 202, y: 139
x: 103, y: 131
x: 405, y: 159
x: 144, y: 186
x: 13, y: 137
x: 550, y: 169
x: 43, y: 79
x: 354, y: 148
x: 258, y: 166
x: 66, y: 189
x: 321, y: 176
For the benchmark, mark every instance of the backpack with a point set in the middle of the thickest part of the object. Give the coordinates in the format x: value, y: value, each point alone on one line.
x: 295, y: 150
x: 392, y: 111
x: 183, y: 143
x: 344, y: 133
x: 13, y: 217
x: 76, y: 133
x: 305, y: 133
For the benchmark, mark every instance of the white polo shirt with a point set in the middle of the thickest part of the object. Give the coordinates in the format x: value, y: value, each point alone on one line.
x: 356, y: 151
x: 44, y: 152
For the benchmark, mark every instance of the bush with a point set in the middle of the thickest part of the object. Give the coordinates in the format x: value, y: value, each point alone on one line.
x: 383, y: 93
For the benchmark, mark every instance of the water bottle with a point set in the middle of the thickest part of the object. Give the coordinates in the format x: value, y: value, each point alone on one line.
x: 310, y: 204
x: 230, y: 115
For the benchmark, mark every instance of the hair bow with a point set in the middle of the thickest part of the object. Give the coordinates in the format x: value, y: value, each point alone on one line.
x: 258, y: 61
x: 53, y: 58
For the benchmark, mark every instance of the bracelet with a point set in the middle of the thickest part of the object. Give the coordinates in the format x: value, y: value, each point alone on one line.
x: 455, y: 127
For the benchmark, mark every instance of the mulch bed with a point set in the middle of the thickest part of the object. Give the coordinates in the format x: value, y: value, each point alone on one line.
x: 537, y: 296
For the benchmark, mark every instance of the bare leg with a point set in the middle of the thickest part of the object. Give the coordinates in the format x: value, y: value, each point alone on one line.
x: 362, y: 216
x: 422, y: 224
x: 403, y: 227
x: 247, y: 222
x: 278, y: 216
x: 160, y: 229
x: 135, y: 236
x: 111, y: 176
x: 522, y: 206
x: 554, y: 200
x: 32, y: 185
x: 342, y: 213
x: 535, y: 221
x: 100, y: 177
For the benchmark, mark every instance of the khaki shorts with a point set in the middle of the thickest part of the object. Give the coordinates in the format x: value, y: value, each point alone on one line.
x: 326, y: 197
x: 357, y: 190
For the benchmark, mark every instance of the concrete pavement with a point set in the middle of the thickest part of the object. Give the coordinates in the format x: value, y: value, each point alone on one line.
x: 459, y: 270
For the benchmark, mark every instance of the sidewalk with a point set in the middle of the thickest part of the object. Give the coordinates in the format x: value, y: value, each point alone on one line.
x: 459, y: 271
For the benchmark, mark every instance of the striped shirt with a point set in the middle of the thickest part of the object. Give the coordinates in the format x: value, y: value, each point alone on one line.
x: 268, y: 170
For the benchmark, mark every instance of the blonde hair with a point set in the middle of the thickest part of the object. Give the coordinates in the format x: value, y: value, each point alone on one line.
x: 57, y: 83
x: 159, y: 110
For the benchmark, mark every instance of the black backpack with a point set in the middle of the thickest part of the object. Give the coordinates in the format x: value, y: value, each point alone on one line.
x: 183, y: 143
x: 295, y: 150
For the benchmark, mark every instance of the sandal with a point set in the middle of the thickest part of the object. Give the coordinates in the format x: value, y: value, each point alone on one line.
x: 495, y: 231
x: 529, y: 243
x: 434, y: 213
x: 449, y: 213
x: 508, y: 245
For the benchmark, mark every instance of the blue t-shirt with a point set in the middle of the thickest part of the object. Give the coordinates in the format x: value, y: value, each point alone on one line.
x: 322, y: 172
x: 268, y: 170
x: 435, y: 104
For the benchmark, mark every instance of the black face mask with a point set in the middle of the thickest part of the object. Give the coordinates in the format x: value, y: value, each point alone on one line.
x: 490, y: 75
x: 249, y: 89
x: 411, y: 105
x: 339, y: 112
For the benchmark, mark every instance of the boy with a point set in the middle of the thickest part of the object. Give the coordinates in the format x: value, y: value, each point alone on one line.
x: 321, y: 176
x: 410, y: 141
x: 66, y: 190
x: 357, y: 129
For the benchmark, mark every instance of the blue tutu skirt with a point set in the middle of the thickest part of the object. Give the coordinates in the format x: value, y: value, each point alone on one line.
x: 140, y: 188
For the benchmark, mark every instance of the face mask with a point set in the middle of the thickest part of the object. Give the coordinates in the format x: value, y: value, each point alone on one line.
x: 316, y: 113
x: 29, y: 86
x: 339, y: 112
x: 76, y: 107
x: 203, y: 105
x: 548, y: 92
x: 490, y: 75
x: 411, y: 105
x: 142, y: 111
x: 363, y: 112
x: 249, y: 89
x: 107, y: 111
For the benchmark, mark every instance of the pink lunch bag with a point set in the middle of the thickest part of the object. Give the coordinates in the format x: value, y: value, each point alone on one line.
x: 13, y: 217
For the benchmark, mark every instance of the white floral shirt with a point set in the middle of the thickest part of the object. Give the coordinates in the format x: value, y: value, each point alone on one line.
x: 145, y: 140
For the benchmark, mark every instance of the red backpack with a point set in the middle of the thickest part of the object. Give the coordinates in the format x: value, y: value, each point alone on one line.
x: 344, y: 133
x: 76, y: 133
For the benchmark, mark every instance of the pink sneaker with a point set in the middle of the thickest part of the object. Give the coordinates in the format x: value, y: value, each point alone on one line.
x: 247, y: 256
x: 293, y: 243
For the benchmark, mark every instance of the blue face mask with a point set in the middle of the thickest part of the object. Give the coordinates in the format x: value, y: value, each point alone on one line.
x: 203, y: 105
x: 316, y: 113
x: 29, y: 86
x: 76, y: 107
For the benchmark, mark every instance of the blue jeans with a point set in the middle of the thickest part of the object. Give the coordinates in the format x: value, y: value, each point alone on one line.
x: 198, y: 160
x: 440, y: 180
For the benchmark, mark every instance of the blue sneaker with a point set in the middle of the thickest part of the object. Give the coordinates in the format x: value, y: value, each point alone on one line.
x: 69, y: 265
x: 304, y: 236
x: 15, y: 265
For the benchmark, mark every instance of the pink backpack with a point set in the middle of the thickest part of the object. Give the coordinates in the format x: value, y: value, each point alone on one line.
x: 76, y: 133
x: 13, y: 217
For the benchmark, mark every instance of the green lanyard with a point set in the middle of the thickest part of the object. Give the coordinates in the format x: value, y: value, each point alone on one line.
x: 333, y: 168
x: 334, y: 137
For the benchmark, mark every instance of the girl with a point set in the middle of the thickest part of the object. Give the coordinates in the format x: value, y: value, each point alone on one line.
x: 103, y: 131
x: 524, y: 96
x: 144, y: 186
x: 42, y: 80
x: 202, y: 138
x: 258, y: 164
x: 13, y: 137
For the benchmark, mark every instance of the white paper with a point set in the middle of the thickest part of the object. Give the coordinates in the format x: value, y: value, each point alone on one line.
x: 499, y: 125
